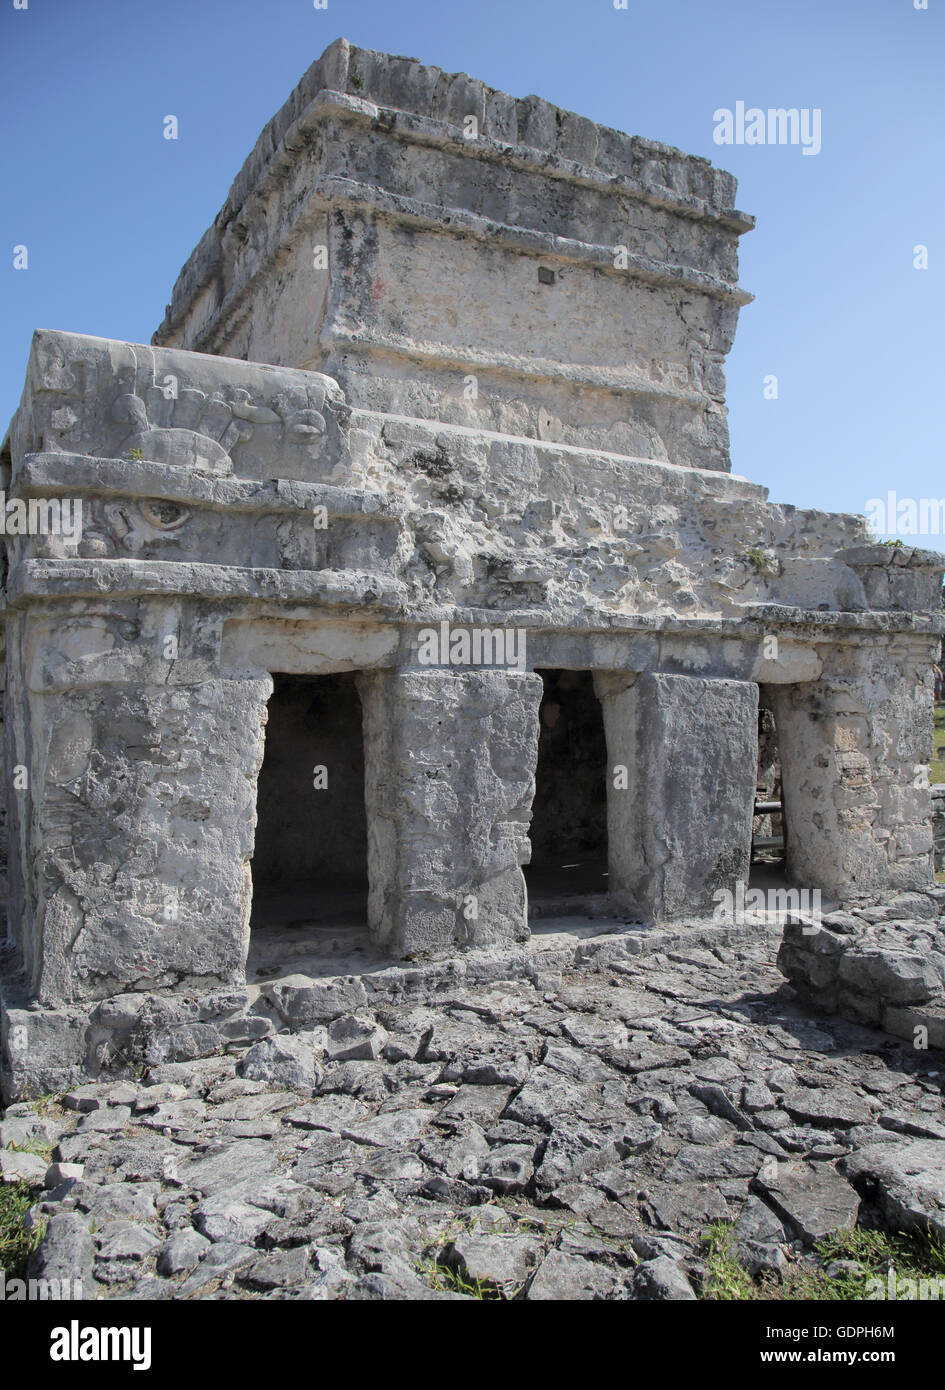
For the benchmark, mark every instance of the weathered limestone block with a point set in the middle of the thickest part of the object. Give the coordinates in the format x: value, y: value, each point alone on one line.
x: 924, y: 1026
x: 186, y: 411
x: 896, y: 977
x: 136, y: 831
x: 401, y: 502
x: 681, y: 830
x: 846, y: 968
x: 854, y: 752
x: 906, y: 1180
x: 449, y: 771
x: 810, y: 957
x: 44, y: 1050
x: 903, y: 577
x: 47, y: 1050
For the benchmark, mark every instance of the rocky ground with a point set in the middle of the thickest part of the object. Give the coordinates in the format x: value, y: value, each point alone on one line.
x: 556, y: 1140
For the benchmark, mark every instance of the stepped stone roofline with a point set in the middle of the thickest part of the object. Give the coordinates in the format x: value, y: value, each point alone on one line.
x: 446, y: 251
x: 421, y: 103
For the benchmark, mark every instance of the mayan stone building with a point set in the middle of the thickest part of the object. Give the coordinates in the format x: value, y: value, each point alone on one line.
x: 413, y: 579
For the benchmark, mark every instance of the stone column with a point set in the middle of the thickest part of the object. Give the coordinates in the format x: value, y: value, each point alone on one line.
x: 449, y: 777
x: 682, y: 757
x: 854, y: 751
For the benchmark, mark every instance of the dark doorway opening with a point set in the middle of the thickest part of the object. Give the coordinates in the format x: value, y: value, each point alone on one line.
x: 310, y: 858
x: 769, y: 824
x: 768, y: 842
x: 569, y: 813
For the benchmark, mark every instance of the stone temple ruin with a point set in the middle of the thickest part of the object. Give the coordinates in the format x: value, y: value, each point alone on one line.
x: 414, y: 586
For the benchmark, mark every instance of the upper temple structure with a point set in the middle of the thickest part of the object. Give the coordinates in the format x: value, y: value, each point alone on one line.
x: 400, y: 593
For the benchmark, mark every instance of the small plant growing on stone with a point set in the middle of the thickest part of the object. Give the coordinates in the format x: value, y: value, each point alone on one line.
x: 445, y: 1279
x: 726, y: 1279
x: 40, y: 1147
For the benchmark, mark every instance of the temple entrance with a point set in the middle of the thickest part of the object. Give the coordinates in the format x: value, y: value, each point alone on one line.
x: 768, y: 870
x: 569, y: 813
x: 769, y: 825
x: 309, y: 864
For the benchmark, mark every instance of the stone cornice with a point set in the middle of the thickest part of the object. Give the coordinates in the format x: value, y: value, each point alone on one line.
x: 45, y: 580
x: 52, y: 474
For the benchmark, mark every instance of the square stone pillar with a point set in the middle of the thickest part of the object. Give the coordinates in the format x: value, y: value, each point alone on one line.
x: 132, y: 814
x: 682, y: 756
x: 854, y: 749
x: 449, y: 762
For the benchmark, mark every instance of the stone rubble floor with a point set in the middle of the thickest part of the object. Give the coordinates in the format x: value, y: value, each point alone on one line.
x: 566, y: 1139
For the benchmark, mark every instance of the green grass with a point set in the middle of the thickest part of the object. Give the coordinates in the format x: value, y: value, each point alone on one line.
x: 16, y: 1198
x: 726, y: 1279
x: 447, y: 1280
x: 911, y: 1256
x: 16, y: 1242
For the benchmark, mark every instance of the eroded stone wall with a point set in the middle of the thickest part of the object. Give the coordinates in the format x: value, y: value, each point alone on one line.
x: 855, y: 747
x: 882, y: 967
x: 135, y: 826
x: 938, y: 824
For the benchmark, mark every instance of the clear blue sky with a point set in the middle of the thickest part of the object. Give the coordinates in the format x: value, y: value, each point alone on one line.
x: 110, y: 210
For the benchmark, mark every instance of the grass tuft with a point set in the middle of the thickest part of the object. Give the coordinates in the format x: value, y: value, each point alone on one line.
x: 16, y: 1242
x: 871, y: 1255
